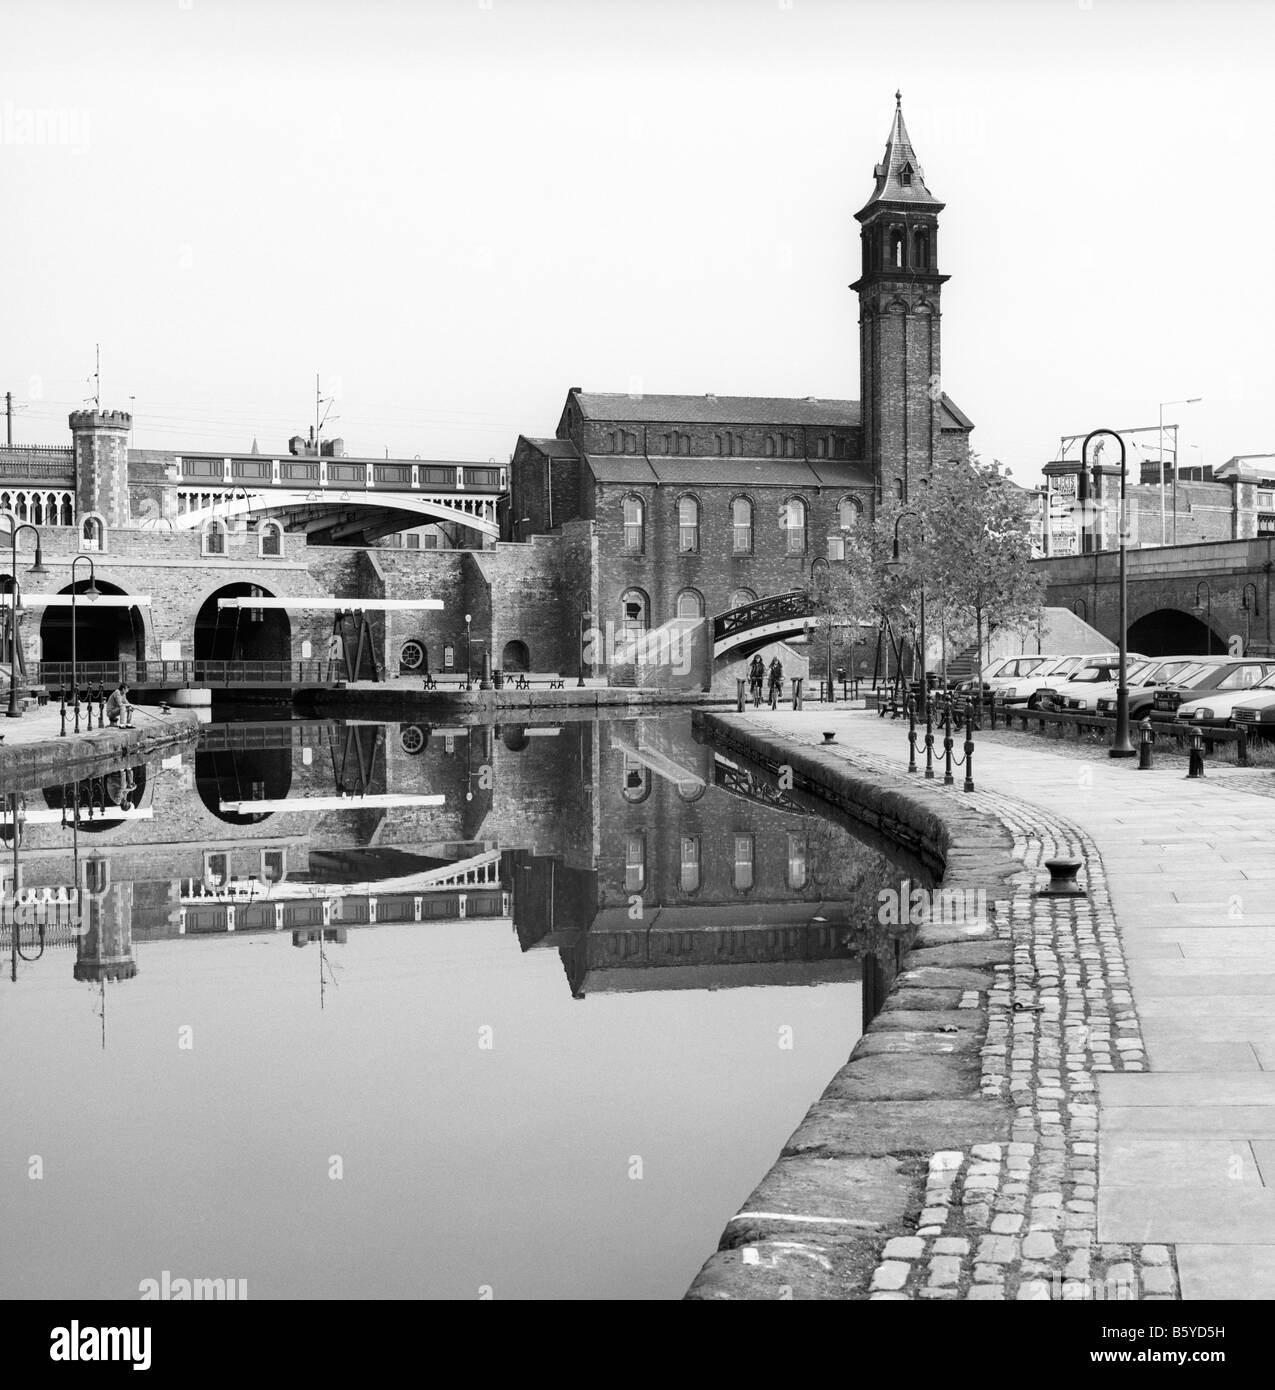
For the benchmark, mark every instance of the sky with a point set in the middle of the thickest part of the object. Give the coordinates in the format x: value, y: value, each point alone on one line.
x: 451, y: 211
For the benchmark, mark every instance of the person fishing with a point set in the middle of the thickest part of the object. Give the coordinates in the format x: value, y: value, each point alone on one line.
x: 118, y: 708
x: 756, y: 678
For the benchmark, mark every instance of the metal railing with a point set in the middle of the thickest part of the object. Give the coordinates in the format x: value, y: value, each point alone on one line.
x: 172, y: 675
x: 344, y: 474
x: 794, y: 604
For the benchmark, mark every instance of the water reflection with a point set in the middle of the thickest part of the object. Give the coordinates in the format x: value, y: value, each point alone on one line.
x: 644, y: 858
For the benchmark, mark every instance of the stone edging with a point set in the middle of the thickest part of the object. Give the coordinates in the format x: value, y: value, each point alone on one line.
x: 957, y: 1147
x: 26, y: 762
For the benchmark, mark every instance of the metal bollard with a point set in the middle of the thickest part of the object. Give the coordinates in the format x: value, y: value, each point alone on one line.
x: 929, y: 737
x: 739, y: 694
x: 88, y: 705
x: 62, y: 696
x: 1145, y: 737
x: 101, y: 705
x: 969, y: 757
x: 911, y: 734
x: 948, y: 779
x: 1195, y: 763
x: 796, y: 692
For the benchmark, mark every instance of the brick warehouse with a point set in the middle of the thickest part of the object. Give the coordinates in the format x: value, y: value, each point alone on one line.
x: 698, y: 504
x: 642, y: 516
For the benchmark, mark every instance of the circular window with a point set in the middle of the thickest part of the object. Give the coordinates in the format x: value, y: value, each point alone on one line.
x: 411, y: 655
x: 413, y: 738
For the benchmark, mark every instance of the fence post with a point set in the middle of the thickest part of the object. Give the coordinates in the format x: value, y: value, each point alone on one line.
x: 739, y: 694
x: 1241, y: 746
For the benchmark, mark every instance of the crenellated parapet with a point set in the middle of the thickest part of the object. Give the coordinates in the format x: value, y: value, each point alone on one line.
x: 101, y: 464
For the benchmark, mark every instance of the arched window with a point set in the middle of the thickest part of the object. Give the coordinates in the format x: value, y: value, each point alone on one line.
x: 896, y: 248
x: 634, y: 863
x: 849, y: 511
x: 921, y: 249
x: 634, y: 524
x: 821, y: 448
x: 93, y: 533
x: 690, y: 875
x: 37, y: 510
x: 634, y: 613
x: 795, y: 526
x: 515, y: 657
x: 214, y: 538
x: 742, y: 526
x: 688, y: 525
x: 771, y: 446
x: 68, y: 516
x: 741, y: 597
x: 637, y: 780
x: 22, y: 506
x: 743, y: 862
x: 797, y: 861
x: 690, y: 604
x: 270, y: 538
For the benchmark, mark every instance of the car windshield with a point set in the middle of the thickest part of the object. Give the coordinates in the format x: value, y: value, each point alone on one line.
x: 1165, y: 671
x: 1242, y: 678
x: 1190, y: 674
x: 1267, y: 682
x: 1093, y: 674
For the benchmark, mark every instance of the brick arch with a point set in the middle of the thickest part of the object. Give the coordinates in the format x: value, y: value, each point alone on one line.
x: 55, y: 623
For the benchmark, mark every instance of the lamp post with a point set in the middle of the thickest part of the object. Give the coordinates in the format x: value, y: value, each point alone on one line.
x: 1121, y: 746
x: 91, y: 592
x: 1205, y: 606
x: 15, y: 603
x: 1246, y: 609
x: 894, y: 564
x: 469, y: 661
x: 585, y: 618
x: 1190, y: 400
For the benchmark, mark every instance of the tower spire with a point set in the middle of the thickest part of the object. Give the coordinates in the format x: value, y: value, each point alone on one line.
x: 899, y: 176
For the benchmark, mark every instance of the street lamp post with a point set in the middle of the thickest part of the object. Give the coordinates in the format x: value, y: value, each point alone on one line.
x: 585, y: 618
x: 894, y: 564
x: 15, y: 603
x: 1205, y: 606
x: 827, y: 567
x: 1246, y: 608
x: 1191, y: 400
x: 1121, y: 746
x: 91, y: 592
x: 469, y: 660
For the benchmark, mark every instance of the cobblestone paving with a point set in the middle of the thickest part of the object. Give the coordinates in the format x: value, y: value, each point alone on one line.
x: 1019, y: 1220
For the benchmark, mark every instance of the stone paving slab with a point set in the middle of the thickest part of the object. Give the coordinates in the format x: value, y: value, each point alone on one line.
x: 1187, y: 1213
x: 1134, y: 1162
x: 1242, y: 1271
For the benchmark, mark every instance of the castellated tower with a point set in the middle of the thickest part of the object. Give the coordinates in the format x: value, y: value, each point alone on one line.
x: 101, y: 464
x: 105, y: 951
x: 899, y: 373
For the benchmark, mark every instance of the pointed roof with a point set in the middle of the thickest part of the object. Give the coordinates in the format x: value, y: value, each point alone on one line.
x: 899, y: 176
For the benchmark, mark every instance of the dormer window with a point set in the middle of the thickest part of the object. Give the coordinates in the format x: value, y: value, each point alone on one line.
x: 905, y: 176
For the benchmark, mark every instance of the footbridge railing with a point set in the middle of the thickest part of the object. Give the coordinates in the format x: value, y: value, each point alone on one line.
x: 763, y: 620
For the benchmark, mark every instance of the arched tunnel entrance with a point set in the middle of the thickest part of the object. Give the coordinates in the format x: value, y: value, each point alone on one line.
x: 241, y: 634
x: 101, y: 634
x: 1172, y: 632
x: 264, y: 774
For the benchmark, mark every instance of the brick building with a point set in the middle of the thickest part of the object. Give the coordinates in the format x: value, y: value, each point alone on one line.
x: 700, y: 504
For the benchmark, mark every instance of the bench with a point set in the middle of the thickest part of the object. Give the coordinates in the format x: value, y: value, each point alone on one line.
x: 525, y: 680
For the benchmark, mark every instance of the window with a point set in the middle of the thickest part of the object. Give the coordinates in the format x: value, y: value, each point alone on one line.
x: 905, y: 176
x: 273, y: 866
x: 898, y: 489
x: 634, y: 863
x: 216, y: 870
x: 821, y: 447
x: 836, y: 548
x: 795, y: 526
x: 741, y: 597
x: 743, y: 877
x: 634, y: 523
x: 690, y: 604
x: 797, y: 861
x: 742, y: 521
x: 214, y: 538
x: 920, y: 249
x: 689, y: 880
x: 771, y: 446
x: 1266, y: 525
x: 849, y: 510
x: 1266, y: 499
x: 637, y: 780
x: 790, y: 447
x: 688, y: 525
x: 270, y: 538
x: 633, y: 614
x: 93, y: 533
x: 629, y: 441
x: 413, y: 540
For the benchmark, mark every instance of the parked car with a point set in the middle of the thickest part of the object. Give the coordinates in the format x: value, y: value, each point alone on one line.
x: 1215, y: 709
x: 992, y: 668
x: 1099, y: 679
x: 1018, y: 684
x: 1257, y: 713
x: 1141, y: 694
x: 1054, y: 688
x: 1226, y: 673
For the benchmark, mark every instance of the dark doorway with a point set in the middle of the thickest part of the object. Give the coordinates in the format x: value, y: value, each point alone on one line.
x: 242, y: 634
x: 1171, y: 632
x: 515, y: 657
x: 263, y: 774
x: 101, y: 634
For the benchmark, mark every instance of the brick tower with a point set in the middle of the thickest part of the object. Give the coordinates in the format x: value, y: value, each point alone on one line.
x: 899, y: 382
x: 101, y: 464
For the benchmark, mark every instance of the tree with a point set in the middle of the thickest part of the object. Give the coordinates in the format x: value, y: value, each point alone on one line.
x: 977, y: 549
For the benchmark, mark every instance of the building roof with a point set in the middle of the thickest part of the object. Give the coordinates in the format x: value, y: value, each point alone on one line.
x: 1247, y: 468
x: 553, y: 448
x: 716, y: 410
x: 956, y: 418
x: 899, y: 176
x: 705, y: 472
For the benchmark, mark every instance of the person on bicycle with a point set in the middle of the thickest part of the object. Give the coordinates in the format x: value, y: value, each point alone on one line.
x: 776, y: 677
x: 756, y: 677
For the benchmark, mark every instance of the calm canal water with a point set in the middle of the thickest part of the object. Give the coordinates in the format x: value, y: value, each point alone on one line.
x: 386, y: 1011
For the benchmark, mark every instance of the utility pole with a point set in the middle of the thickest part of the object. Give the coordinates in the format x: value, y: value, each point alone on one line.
x: 8, y: 416
x: 97, y: 378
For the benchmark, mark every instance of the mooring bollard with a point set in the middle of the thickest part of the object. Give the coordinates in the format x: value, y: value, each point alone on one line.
x: 911, y: 734
x: 948, y: 779
x: 1062, y: 879
x: 739, y: 694
x: 1195, y: 763
x: 929, y: 736
x: 1145, y: 736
